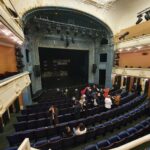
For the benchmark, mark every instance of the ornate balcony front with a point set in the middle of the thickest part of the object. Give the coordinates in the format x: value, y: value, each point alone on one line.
x: 135, y: 72
x: 10, y: 89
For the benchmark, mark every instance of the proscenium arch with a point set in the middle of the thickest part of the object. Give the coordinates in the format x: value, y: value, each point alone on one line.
x: 32, y: 11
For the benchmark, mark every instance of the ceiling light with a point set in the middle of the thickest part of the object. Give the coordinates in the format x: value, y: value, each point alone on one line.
x: 103, y: 2
x: 145, y: 79
x: 120, y: 50
x: 128, y: 49
x: 147, y: 16
x: 139, y: 47
x: 6, y: 32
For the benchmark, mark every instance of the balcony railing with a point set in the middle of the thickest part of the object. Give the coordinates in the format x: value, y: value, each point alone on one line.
x: 135, y: 72
x: 11, y: 88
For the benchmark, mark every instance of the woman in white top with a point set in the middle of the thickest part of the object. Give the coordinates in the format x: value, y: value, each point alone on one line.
x: 108, y: 102
x: 81, y: 129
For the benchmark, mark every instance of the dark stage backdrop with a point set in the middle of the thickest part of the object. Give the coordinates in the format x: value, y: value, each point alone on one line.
x: 60, y: 67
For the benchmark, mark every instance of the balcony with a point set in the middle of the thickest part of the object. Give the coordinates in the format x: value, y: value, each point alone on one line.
x: 133, y: 42
x: 10, y: 89
x: 135, y: 72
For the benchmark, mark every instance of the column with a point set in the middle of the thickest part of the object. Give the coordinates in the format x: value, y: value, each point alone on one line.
x: 131, y: 83
x: 122, y: 78
x: 20, y: 98
x: 149, y: 89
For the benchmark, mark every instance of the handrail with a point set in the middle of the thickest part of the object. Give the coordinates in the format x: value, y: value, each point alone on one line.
x: 135, y: 72
x: 11, y: 88
x: 134, y: 143
x: 26, y: 145
x: 12, y: 78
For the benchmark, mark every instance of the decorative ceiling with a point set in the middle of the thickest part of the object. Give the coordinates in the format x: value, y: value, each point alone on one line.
x: 104, y: 4
x: 19, y: 7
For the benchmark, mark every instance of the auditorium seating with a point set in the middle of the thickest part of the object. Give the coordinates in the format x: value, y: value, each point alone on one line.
x: 43, y: 107
x: 123, y: 137
x: 107, y: 126
x: 24, y: 125
x: 27, y: 116
x: 58, y: 143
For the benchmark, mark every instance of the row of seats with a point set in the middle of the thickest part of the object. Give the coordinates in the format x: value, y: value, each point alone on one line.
x: 52, y: 131
x: 57, y: 143
x: 31, y: 116
x: 53, y: 93
x: 123, y: 137
x: 58, y: 102
x: 43, y: 108
x: 32, y: 124
x: 49, y: 103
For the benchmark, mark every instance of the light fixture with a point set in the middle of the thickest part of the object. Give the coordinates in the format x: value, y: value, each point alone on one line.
x: 139, y: 47
x: 75, y: 31
x: 147, y: 15
x: 120, y: 50
x: 139, y: 19
x: 128, y: 49
x: 58, y: 28
x: 10, y: 35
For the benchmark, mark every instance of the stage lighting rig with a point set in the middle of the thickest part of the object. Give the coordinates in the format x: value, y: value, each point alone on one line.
x: 145, y: 13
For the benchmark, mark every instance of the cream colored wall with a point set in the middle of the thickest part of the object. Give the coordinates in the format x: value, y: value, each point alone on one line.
x: 127, y: 12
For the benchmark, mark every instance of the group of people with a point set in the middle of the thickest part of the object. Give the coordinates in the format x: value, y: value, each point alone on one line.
x: 93, y: 97
x: 79, y: 130
x: 90, y: 96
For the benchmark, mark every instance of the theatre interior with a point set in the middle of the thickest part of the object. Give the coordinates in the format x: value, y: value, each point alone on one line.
x: 74, y: 74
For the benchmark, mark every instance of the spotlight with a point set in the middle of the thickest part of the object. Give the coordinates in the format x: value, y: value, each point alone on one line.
x: 97, y: 34
x: 58, y: 29
x: 90, y: 33
x: 83, y: 32
x: 62, y: 37
x: 147, y: 16
x: 67, y: 30
x: 139, y: 19
x: 72, y: 39
x: 67, y: 41
x: 49, y: 29
x: 75, y: 31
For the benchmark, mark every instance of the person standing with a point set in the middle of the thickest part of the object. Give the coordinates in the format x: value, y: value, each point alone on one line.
x: 53, y: 115
x: 108, y: 102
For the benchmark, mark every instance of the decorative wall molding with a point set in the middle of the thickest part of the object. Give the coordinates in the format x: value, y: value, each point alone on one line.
x: 142, y: 40
x: 135, y: 72
x: 11, y: 88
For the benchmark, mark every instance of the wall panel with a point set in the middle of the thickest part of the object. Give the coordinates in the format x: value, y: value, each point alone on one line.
x: 7, y: 59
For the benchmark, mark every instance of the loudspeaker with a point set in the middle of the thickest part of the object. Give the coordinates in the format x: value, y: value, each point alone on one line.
x: 94, y: 67
x: 36, y: 70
